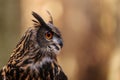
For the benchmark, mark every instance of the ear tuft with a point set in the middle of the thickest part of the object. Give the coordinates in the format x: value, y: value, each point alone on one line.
x: 39, y: 18
x: 51, y: 19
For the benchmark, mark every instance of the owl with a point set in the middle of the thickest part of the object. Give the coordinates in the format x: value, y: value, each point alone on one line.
x: 35, y: 56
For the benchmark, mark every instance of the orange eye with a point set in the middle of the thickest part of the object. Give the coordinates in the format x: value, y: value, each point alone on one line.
x: 49, y: 35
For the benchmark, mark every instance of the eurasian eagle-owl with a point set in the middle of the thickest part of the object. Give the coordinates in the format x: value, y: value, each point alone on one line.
x: 35, y: 56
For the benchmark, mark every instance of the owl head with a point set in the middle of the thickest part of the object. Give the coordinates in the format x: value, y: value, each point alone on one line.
x: 48, y: 36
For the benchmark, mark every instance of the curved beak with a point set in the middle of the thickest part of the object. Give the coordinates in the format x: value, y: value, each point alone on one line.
x: 60, y: 42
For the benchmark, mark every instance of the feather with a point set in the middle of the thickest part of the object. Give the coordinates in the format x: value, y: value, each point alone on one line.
x: 39, y: 18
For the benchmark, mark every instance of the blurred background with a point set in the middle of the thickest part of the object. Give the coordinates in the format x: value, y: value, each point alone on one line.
x: 90, y: 29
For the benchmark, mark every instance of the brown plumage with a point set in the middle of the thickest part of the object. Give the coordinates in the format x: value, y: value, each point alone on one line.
x: 35, y: 56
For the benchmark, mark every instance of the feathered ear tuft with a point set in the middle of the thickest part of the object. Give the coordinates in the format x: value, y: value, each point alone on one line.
x: 39, y: 18
x: 51, y: 19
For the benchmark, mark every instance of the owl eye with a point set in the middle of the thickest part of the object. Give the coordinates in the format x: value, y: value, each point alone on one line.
x: 49, y: 35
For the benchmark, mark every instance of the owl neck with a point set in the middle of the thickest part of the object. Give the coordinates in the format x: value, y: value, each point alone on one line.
x: 31, y: 57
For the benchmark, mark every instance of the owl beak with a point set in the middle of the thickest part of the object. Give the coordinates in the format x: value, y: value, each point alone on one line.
x: 60, y: 42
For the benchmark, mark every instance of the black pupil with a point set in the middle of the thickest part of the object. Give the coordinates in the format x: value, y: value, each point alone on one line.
x: 48, y: 34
